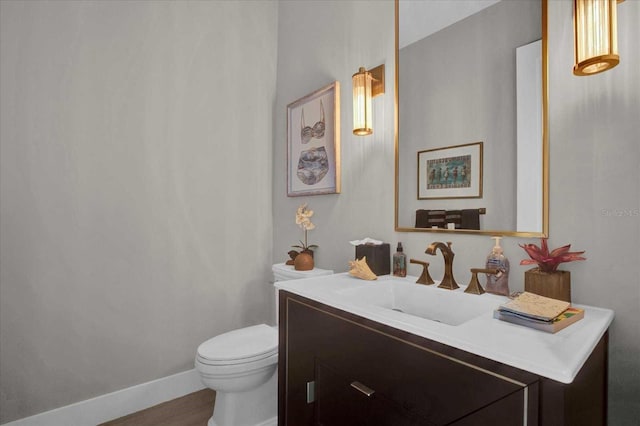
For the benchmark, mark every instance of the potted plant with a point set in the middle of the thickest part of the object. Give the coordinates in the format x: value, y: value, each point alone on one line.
x: 302, y: 259
x: 546, y: 280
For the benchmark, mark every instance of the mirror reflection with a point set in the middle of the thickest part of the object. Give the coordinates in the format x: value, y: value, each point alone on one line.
x: 471, y: 114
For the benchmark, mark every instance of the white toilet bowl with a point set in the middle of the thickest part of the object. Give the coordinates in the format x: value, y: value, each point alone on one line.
x: 241, y: 367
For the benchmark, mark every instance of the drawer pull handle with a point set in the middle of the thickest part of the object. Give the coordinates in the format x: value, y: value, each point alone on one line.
x: 362, y: 388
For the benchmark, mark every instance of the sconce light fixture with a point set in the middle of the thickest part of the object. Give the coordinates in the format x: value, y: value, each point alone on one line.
x: 366, y: 85
x: 595, y: 36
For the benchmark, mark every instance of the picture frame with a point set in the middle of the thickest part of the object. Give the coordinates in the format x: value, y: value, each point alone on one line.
x: 313, y: 143
x: 450, y: 172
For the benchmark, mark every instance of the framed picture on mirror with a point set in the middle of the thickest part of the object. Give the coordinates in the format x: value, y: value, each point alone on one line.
x: 313, y: 143
x: 450, y: 172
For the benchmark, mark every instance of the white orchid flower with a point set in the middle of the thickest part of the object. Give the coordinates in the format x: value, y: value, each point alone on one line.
x: 302, y: 220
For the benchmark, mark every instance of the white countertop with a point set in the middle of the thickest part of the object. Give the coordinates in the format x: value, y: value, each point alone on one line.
x: 558, y: 356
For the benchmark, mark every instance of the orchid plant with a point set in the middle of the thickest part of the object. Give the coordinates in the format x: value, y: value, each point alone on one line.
x: 303, y: 220
x: 549, y: 261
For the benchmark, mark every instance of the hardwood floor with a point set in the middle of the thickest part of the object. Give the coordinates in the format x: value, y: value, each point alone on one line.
x: 194, y: 409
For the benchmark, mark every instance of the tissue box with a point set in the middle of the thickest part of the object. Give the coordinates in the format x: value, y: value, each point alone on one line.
x: 378, y: 257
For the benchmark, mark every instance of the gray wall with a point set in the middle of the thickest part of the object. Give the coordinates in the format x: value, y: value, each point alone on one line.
x: 136, y: 202
x: 122, y: 234
x: 595, y: 157
x: 320, y: 42
x: 595, y: 189
x: 458, y: 86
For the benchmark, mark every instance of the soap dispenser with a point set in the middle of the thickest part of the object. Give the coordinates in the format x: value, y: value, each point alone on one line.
x: 399, y: 262
x: 498, y: 283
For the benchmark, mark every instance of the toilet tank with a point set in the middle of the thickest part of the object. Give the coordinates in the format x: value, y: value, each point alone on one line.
x: 284, y: 272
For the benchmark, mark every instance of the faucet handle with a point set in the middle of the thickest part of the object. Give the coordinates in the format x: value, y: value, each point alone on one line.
x: 474, y: 286
x: 425, y: 278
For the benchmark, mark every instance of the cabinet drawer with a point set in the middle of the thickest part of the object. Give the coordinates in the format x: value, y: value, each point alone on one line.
x: 339, y: 402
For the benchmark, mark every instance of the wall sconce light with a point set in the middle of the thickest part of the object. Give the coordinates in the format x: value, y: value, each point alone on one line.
x: 595, y: 35
x: 366, y: 85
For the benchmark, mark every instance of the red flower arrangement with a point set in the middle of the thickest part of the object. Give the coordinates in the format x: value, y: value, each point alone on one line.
x: 549, y: 261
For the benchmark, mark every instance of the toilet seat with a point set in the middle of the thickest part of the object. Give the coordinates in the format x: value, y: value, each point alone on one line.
x: 235, y: 370
x: 244, y: 346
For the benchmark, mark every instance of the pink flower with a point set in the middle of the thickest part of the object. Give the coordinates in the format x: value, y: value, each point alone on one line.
x: 548, y: 262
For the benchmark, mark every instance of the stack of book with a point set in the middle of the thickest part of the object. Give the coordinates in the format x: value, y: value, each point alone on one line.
x: 541, y: 313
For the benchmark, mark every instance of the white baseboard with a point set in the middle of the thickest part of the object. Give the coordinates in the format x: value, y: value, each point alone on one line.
x: 270, y: 422
x: 117, y: 404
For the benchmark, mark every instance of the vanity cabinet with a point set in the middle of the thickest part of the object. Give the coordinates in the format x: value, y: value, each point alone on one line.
x: 337, y: 368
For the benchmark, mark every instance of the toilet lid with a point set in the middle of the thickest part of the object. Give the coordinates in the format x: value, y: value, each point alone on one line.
x: 284, y: 272
x: 240, y: 346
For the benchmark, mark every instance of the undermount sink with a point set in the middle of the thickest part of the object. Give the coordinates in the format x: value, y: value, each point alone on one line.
x: 452, y: 307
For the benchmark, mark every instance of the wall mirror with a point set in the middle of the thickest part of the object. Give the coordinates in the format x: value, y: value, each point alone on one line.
x: 471, y: 139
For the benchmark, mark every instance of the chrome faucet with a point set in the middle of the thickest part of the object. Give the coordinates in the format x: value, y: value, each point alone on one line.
x: 448, y: 281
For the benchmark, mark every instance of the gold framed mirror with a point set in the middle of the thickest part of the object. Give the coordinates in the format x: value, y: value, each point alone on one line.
x: 491, y: 102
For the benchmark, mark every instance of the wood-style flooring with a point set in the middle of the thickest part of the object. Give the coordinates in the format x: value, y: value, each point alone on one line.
x: 194, y: 409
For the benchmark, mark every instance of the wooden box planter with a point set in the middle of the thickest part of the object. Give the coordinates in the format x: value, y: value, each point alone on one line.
x: 556, y: 285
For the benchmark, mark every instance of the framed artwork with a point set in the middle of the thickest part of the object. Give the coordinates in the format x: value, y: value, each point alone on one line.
x: 313, y: 143
x: 451, y: 172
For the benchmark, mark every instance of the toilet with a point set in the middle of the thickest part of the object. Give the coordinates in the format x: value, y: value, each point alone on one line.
x: 241, y: 365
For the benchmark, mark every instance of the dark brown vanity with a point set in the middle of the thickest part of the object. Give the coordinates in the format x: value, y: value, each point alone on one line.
x: 337, y: 368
